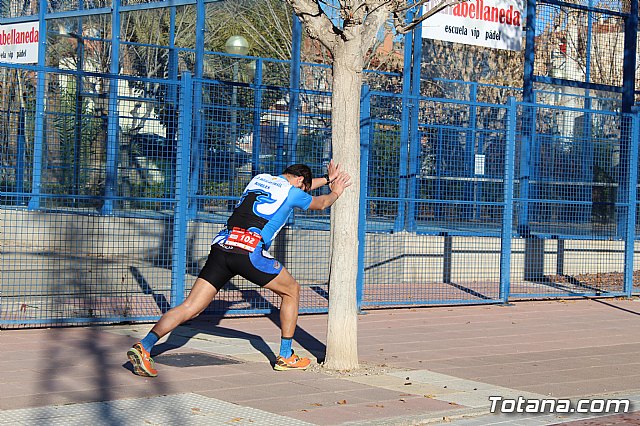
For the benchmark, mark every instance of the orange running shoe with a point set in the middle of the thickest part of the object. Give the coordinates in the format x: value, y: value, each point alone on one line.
x: 143, y: 364
x: 294, y: 362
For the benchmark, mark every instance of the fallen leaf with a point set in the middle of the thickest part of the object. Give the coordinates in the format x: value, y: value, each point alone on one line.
x: 342, y: 402
x: 236, y: 419
x: 316, y: 404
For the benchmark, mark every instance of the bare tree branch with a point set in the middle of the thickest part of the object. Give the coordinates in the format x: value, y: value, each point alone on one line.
x: 317, y: 23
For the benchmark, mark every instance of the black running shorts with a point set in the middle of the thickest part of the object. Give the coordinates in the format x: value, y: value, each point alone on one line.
x: 258, y: 267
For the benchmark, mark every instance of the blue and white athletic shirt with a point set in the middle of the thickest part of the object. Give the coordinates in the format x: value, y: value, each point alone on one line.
x: 264, y: 208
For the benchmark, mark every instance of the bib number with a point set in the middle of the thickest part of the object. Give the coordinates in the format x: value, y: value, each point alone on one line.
x: 241, y: 238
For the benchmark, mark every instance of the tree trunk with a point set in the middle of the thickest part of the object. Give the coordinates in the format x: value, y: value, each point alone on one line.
x: 342, y: 333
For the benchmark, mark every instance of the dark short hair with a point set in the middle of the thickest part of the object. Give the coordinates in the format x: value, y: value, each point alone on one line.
x: 300, y: 170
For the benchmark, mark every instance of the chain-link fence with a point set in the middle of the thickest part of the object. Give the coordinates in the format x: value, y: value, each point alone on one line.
x: 112, y: 188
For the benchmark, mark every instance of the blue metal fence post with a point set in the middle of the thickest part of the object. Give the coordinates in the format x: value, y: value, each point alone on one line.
x: 527, y: 96
x: 180, y: 218
x: 113, y: 127
x: 404, y: 128
x: 365, y: 141
x: 534, y: 249
x: 414, y: 130
x: 39, y: 136
x: 507, y: 212
x: 294, y: 89
x: 632, y: 207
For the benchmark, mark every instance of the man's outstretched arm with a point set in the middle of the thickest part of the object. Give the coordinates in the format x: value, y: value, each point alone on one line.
x: 341, y: 181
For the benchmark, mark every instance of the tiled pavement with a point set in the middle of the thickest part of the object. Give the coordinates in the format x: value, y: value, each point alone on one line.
x: 420, y: 366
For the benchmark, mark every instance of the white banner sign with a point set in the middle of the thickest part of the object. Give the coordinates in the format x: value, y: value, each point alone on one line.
x: 19, y: 43
x: 489, y: 23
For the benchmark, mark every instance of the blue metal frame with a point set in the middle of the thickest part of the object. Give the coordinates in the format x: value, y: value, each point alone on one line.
x: 111, y: 187
x: 632, y: 205
x: 180, y: 221
x: 414, y: 132
x: 507, y: 212
x: 38, y: 151
x: 365, y: 142
x: 186, y: 198
x: 505, y: 231
x: 409, y: 64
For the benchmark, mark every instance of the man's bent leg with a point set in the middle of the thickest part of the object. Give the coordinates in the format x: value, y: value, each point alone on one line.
x: 285, y: 286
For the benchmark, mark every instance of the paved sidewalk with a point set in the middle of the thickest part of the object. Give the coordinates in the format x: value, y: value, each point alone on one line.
x: 419, y: 366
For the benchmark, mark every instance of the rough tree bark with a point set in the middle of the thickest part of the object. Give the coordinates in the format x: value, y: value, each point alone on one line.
x: 342, y: 351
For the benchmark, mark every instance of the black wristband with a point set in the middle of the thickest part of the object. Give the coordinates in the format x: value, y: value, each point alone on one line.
x: 326, y: 176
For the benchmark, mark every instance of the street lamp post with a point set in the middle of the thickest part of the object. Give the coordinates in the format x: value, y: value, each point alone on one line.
x: 235, y: 45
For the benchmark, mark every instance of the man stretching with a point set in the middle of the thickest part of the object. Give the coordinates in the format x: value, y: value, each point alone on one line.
x: 241, y: 249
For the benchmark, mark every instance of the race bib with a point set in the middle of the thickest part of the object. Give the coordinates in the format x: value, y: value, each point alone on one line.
x: 243, y: 239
